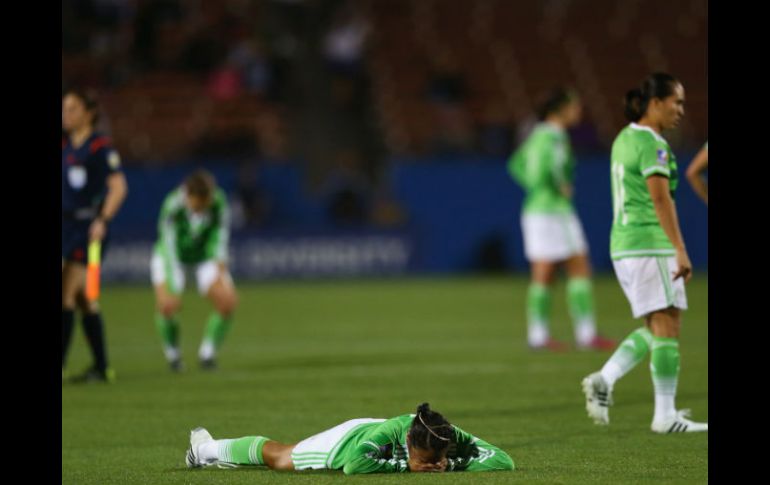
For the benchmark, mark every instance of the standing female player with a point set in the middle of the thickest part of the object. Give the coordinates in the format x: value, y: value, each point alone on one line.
x: 648, y: 253
x: 93, y: 189
x: 544, y: 167
x: 422, y: 442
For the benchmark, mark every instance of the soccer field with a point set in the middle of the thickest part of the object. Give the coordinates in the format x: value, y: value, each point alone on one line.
x: 305, y: 356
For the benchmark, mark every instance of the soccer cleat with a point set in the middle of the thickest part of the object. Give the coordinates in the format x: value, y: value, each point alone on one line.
x: 679, y: 424
x: 598, y: 398
x: 552, y: 345
x: 198, y: 436
x: 208, y: 364
x: 599, y: 343
x: 93, y: 374
x: 176, y: 365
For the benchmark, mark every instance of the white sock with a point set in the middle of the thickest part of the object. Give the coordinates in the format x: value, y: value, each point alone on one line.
x: 171, y: 353
x: 208, y: 451
x: 537, y: 334
x: 585, y: 331
x: 611, y: 372
x: 207, y: 350
x: 664, y: 406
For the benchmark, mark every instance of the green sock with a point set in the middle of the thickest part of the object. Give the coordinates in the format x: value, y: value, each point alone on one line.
x: 242, y: 451
x: 581, y: 307
x: 538, y: 313
x: 216, y: 329
x: 664, y: 367
x: 630, y: 352
x: 168, y: 328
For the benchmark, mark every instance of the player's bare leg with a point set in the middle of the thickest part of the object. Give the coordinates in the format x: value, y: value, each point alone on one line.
x: 73, y: 280
x: 664, y: 366
x: 539, y: 306
x: 250, y: 450
x: 224, y: 299
x: 580, y: 302
x: 168, y: 305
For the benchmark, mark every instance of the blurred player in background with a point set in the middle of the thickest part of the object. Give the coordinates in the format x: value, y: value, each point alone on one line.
x: 93, y: 189
x: 422, y: 442
x: 695, y: 171
x: 193, y: 229
x: 544, y: 167
x: 648, y: 253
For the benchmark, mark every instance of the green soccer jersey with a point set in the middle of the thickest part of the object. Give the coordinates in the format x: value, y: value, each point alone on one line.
x: 380, y: 447
x: 187, y: 237
x: 541, y: 165
x: 637, y: 153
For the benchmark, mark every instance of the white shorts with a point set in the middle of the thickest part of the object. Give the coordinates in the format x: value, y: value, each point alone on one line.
x: 206, y: 274
x: 552, y: 237
x: 648, y: 284
x: 318, y: 451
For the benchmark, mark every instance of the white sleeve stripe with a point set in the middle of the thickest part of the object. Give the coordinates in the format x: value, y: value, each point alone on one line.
x: 662, y: 170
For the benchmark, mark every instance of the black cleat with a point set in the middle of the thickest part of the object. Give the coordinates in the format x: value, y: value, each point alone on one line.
x: 176, y: 366
x: 94, y: 375
x: 208, y: 364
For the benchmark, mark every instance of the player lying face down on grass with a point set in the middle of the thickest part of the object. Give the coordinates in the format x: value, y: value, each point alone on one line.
x: 421, y: 442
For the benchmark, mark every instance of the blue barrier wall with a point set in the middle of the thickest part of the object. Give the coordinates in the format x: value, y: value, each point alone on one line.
x: 458, y: 211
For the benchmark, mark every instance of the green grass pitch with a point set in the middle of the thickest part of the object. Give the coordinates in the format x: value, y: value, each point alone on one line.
x: 305, y: 356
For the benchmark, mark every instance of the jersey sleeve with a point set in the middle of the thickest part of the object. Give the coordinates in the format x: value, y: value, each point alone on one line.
x: 654, y: 159
x: 105, y: 155
x: 476, y: 455
x: 374, y: 453
x: 517, y: 167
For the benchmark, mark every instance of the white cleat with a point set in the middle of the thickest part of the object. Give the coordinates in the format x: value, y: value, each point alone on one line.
x: 679, y: 424
x: 598, y: 398
x: 198, y: 436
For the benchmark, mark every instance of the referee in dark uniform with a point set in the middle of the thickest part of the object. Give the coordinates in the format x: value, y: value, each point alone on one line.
x: 93, y: 189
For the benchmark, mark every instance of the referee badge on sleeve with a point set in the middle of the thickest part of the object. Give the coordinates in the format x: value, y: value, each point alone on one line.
x: 113, y: 160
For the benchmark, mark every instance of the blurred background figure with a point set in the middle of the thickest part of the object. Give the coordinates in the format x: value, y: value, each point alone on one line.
x: 544, y: 166
x: 93, y: 190
x: 193, y: 230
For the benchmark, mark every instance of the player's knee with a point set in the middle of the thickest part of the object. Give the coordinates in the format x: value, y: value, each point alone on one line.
x: 169, y: 307
x: 226, y: 305
x: 225, y: 302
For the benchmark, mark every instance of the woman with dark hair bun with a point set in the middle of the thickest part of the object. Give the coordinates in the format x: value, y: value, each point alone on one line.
x: 420, y: 442
x: 648, y: 253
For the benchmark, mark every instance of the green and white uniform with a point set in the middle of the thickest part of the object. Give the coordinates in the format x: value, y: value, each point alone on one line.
x: 186, y: 238
x: 642, y: 254
x: 541, y: 166
x: 365, y: 446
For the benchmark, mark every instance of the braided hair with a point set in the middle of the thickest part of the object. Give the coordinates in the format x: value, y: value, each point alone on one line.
x: 430, y: 430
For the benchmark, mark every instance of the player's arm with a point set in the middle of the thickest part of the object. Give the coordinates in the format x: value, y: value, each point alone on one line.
x: 369, y: 457
x: 117, y: 190
x: 665, y: 209
x: 221, y: 236
x: 695, y: 174
x: 557, y: 160
x: 476, y: 455
x: 517, y: 167
x: 167, y: 237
